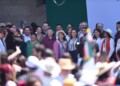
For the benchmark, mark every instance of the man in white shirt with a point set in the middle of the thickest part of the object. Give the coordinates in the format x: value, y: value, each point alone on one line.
x: 26, y: 34
x: 82, y: 26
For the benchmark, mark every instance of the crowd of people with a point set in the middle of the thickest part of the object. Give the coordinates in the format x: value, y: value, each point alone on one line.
x: 39, y: 56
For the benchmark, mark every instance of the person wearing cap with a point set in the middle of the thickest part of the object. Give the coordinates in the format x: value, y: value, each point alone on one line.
x: 7, y: 76
x: 2, y: 26
x: 108, y: 43
x: 67, y: 66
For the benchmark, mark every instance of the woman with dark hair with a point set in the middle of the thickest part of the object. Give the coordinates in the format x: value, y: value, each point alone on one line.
x: 97, y: 37
x: 34, y: 26
x: 39, y: 33
x: 60, y: 45
x: 31, y: 44
x: 69, y: 31
x: 19, y: 41
x: 72, y: 45
x: 108, y: 43
x: 100, y: 27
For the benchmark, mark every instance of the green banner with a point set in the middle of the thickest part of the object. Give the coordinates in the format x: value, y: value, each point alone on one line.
x: 66, y: 12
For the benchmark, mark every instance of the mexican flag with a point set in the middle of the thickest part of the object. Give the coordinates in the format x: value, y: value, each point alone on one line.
x: 88, y: 46
x: 89, y: 62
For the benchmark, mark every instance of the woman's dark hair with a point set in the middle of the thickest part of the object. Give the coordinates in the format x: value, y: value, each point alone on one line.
x: 34, y: 26
x: 76, y: 32
x: 41, y: 29
x: 19, y: 33
x: 98, y: 31
x: 34, y: 34
x: 68, y: 29
x: 32, y: 81
x: 64, y: 38
x: 96, y: 47
x: 9, y: 26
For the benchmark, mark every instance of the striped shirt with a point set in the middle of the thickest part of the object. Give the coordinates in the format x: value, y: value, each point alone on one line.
x: 72, y: 44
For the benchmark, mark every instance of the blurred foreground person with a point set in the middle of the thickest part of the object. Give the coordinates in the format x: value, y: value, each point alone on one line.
x: 67, y: 66
x: 32, y: 64
x: 34, y: 81
x: 104, y: 78
x: 7, y: 75
x: 50, y: 70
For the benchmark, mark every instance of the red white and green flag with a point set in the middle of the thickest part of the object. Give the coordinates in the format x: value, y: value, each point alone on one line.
x: 89, y: 62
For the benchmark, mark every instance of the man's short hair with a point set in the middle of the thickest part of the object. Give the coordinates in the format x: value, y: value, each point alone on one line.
x: 27, y: 27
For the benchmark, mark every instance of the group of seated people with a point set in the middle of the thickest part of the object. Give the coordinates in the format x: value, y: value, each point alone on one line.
x: 39, y: 56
